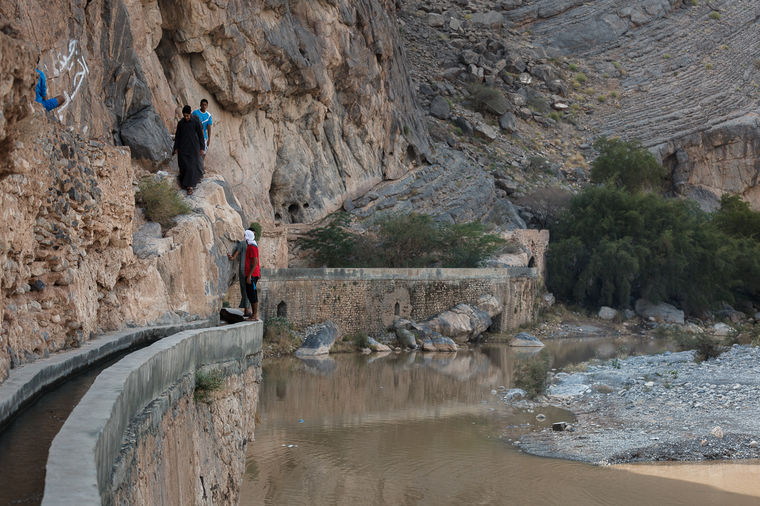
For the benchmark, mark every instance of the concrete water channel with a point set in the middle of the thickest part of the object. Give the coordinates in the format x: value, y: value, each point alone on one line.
x: 403, y: 428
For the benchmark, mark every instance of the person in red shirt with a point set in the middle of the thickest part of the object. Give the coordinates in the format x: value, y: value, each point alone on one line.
x: 252, y: 273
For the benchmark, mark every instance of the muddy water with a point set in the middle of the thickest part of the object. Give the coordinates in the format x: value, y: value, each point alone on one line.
x: 426, y: 429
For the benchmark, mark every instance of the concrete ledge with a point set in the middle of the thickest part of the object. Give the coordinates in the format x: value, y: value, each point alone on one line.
x: 84, y: 451
x: 398, y: 274
x: 29, y: 380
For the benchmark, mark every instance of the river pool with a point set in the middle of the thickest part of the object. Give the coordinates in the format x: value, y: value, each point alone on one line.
x: 414, y: 428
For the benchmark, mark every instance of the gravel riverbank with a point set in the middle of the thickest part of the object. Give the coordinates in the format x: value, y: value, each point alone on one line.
x: 657, y: 407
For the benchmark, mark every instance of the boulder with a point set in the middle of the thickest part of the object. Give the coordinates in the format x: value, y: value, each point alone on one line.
x: 659, y: 312
x: 319, y: 340
x: 439, y: 343
x: 435, y: 20
x: 490, y: 305
x: 373, y: 345
x: 508, y: 122
x: 514, y: 394
x: 440, y: 108
x: 721, y: 329
x: 406, y: 338
x: 148, y: 241
x: 486, y: 132
x: 491, y: 19
x: 464, y: 126
x: 607, y: 313
x: 525, y: 339
x: 730, y: 314
x: 461, y: 323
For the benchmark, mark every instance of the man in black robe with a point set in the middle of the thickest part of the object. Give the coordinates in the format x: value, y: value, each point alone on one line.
x: 188, y: 144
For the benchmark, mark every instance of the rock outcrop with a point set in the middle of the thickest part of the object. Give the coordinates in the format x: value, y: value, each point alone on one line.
x: 312, y: 105
x: 311, y: 101
x: 68, y: 210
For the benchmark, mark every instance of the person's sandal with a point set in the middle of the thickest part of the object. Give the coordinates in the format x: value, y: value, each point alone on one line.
x: 189, y: 191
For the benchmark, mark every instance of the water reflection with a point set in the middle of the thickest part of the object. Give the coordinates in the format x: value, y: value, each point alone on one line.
x: 414, y: 428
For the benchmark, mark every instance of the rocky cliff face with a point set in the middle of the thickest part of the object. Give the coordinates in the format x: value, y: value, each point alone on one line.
x: 311, y: 100
x: 687, y: 79
x: 311, y: 104
x: 67, y: 211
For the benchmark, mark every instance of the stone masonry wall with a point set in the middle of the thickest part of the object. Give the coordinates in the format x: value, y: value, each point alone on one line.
x: 370, y: 299
x: 184, y: 449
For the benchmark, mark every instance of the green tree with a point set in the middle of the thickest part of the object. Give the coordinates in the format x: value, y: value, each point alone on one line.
x: 332, y: 245
x: 467, y: 245
x: 612, y: 247
x: 736, y: 218
x: 626, y: 164
x: 409, y: 240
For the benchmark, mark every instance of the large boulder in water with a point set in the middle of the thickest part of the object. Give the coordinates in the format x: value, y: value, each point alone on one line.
x: 319, y: 340
x: 461, y: 323
x: 439, y: 343
x: 406, y: 338
x: 659, y: 312
x: 525, y: 339
x: 374, y: 345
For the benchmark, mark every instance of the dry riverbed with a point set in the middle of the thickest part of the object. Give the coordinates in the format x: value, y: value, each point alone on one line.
x: 665, y: 407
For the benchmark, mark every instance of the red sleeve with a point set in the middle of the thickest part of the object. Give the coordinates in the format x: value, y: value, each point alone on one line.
x: 249, y: 255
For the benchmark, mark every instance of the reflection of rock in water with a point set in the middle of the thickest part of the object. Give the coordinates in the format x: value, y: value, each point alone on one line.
x: 523, y: 352
x: 377, y: 356
x: 320, y: 365
x: 459, y: 366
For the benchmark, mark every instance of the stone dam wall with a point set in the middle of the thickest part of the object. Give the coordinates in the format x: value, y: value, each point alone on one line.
x: 369, y: 300
x: 142, y: 434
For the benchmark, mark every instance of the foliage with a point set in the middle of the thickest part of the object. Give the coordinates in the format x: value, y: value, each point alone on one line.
x: 488, y: 99
x: 360, y: 339
x: 703, y: 344
x: 277, y: 329
x: 409, y: 240
x: 626, y: 164
x: 736, y: 218
x: 207, y: 382
x: 161, y: 201
x: 333, y: 244
x: 467, y: 244
x: 256, y: 227
x: 530, y: 374
x: 612, y: 247
x: 406, y: 241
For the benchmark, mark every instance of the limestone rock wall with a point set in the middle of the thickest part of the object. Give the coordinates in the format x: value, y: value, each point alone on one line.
x: 188, y: 449
x: 69, y: 269
x: 67, y: 212
x: 723, y: 159
x: 311, y: 100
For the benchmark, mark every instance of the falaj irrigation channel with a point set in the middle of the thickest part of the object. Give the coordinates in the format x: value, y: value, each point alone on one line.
x: 410, y: 428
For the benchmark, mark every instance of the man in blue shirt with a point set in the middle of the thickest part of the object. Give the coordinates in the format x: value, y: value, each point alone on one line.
x: 205, y: 117
x: 41, y: 94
